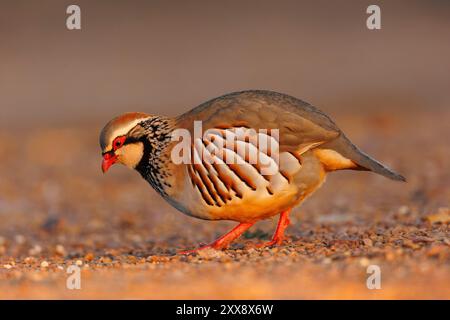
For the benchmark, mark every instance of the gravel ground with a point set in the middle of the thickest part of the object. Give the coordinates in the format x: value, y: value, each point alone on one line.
x: 57, y: 210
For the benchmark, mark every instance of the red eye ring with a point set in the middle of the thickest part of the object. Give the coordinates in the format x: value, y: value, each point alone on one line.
x: 118, y: 142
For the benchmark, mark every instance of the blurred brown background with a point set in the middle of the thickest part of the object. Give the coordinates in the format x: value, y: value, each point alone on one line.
x: 168, y: 56
x: 387, y: 89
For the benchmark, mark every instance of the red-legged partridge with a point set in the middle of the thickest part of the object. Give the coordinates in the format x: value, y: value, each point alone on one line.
x: 259, y: 153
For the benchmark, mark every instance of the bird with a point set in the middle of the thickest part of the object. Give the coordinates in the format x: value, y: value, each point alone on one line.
x: 244, y: 181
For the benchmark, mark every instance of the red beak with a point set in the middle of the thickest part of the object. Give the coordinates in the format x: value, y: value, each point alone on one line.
x: 109, y: 159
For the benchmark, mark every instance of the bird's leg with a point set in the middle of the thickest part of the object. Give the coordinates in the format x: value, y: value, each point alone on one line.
x: 278, y: 236
x: 226, y: 239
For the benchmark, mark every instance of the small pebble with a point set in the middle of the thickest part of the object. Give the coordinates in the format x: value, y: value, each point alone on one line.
x: 89, y: 256
x: 20, y: 239
x: 390, y: 256
x: 210, y: 253
x: 105, y: 260
x: 410, y: 244
x: 364, y: 262
x: 60, y: 250
x: 29, y: 260
x: 37, y: 249
x: 403, y: 210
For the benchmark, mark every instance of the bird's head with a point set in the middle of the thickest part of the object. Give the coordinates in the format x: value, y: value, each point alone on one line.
x: 122, y: 141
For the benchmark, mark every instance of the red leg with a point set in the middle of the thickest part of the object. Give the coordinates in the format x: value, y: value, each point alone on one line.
x: 226, y: 239
x: 278, y: 236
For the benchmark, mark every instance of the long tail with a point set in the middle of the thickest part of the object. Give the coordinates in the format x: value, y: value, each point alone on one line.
x: 344, y: 147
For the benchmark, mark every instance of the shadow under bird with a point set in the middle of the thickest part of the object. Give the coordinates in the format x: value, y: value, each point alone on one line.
x: 308, y: 146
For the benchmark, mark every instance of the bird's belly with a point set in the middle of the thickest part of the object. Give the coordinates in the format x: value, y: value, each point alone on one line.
x: 257, y: 205
x: 251, y: 206
x: 242, y: 194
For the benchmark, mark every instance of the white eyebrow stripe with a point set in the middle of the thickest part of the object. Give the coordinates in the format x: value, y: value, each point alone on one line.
x: 121, y: 131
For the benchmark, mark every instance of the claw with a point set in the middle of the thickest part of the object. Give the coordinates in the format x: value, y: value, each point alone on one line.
x: 208, y: 246
x: 271, y: 243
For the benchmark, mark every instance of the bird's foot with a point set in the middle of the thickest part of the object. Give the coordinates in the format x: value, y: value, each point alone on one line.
x: 215, y: 245
x: 224, y: 240
x: 272, y: 243
x: 278, y: 237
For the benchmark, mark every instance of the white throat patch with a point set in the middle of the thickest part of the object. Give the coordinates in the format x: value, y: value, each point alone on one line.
x: 130, y: 154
